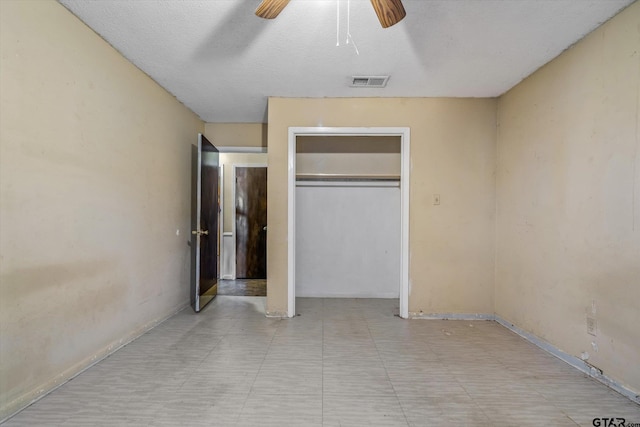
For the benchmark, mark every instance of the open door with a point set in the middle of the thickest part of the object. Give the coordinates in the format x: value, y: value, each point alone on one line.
x: 204, y: 223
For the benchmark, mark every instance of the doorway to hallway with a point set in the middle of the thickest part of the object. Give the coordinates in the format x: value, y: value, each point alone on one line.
x: 243, y: 269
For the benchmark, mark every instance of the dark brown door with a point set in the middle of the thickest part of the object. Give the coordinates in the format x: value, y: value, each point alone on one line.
x: 251, y: 222
x: 204, y: 223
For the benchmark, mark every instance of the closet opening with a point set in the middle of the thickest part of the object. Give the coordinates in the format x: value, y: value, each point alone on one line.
x: 348, y: 214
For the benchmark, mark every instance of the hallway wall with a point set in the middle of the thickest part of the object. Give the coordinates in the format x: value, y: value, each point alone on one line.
x: 94, y: 184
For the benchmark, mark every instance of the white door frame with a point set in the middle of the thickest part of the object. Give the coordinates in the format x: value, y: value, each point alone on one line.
x: 233, y: 200
x: 220, y: 218
x: 405, y: 140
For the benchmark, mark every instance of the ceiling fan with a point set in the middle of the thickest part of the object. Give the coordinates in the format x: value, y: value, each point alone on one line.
x: 389, y: 12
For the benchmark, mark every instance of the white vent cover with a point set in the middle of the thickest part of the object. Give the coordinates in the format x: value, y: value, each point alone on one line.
x: 369, y: 81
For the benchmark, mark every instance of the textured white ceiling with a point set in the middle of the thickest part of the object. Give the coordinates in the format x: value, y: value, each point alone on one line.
x: 223, y: 62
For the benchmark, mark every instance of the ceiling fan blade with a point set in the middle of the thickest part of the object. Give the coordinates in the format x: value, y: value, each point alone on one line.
x: 389, y: 12
x: 269, y: 9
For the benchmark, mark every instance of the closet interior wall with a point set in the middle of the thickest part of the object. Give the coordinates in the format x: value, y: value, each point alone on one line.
x: 348, y: 232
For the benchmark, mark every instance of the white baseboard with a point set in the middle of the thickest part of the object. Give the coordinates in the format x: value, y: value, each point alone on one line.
x: 29, y: 398
x: 37, y: 393
x: 574, y: 361
x: 451, y: 316
x: 228, y: 258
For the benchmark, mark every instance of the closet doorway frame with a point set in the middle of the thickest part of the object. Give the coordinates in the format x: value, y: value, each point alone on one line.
x: 405, y: 143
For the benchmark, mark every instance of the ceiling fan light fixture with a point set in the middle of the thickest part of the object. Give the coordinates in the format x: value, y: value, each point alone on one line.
x: 389, y: 12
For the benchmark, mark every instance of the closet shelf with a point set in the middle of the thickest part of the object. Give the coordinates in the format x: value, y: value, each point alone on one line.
x: 345, y: 177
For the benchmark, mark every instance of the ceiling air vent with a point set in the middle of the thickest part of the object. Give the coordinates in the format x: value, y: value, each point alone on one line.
x: 369, y: 81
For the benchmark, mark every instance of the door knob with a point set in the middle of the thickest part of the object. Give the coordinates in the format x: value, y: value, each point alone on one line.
x: 200, y: 232
x: 264, y: 228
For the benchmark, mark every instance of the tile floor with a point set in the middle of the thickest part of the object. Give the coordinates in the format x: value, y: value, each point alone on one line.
x: 342, y: 362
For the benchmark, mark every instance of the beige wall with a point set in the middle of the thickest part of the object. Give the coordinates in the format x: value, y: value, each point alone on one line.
x: 452, y: 154
x: 94, y: 183
x: 236, y: 134
x: 568, y: 191
x: 228, y: 160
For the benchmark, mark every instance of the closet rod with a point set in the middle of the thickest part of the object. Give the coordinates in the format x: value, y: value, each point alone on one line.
x: 349, y: 183
x: 344, y: 177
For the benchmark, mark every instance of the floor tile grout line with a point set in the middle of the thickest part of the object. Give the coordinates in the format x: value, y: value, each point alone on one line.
x: 244, y: 404
x: 195, y: 371
x: 386, y: 372
x: 475, y: 403
x: 528, y: 388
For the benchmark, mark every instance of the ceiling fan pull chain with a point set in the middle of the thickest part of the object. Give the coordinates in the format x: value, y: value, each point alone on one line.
x: 355, y: 46
x: 349, y: 37
x: 337, y: 22
x: 348, y: 21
